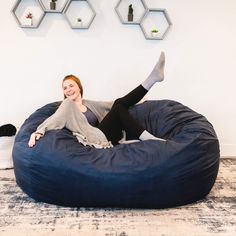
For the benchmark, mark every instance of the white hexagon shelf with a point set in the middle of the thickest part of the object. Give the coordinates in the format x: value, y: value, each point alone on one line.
x: 79, y: 14
x: 122, y: 10
x: 28, y: 13
x: 155, y: 23
x: 53, y: 6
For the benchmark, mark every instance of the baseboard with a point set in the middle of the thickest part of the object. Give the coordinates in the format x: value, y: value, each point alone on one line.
x: 228, y: 150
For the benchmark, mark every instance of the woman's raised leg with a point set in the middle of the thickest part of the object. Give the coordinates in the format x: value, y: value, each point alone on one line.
x: 119, y: 118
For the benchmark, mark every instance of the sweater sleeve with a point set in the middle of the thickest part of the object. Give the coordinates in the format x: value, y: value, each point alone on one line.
x: 55, y: 121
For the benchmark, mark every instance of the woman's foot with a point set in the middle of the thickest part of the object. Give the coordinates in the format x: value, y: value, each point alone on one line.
x: 157, y: 74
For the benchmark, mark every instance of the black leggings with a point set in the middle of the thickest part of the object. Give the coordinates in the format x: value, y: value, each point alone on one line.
x: 119, y: 118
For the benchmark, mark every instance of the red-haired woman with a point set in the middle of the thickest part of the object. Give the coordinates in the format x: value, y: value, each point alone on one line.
x: 99, y: 124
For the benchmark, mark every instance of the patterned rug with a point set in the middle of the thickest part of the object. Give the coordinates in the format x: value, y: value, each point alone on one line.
x: 215, y: 215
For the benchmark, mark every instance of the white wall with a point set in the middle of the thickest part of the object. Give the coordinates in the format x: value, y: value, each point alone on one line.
x: 111, y: 58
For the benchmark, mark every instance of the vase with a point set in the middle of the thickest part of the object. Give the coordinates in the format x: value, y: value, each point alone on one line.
x: 154, y: 34
x: 130, y: 17
x: 79, y: 24
x: 52, y: 5
x: 28, y: 21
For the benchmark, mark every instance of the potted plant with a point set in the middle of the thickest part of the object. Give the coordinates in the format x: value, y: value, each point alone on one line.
x: 53, y: 5
x: 154, y: 32
x: 29, y: 19
x: 79, y: 22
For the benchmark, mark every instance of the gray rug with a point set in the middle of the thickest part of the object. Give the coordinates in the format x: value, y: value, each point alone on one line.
x: 215, y: 215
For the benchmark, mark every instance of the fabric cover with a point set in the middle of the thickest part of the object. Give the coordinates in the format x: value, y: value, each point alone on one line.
x: 6, y: 145
x: 147, y: 174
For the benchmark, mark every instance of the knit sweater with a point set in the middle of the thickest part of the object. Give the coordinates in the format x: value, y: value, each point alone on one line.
x: 69, y: 116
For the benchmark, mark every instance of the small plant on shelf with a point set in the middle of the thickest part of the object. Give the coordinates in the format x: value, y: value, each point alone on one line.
x: 154, y: 32
x: 53, y: 5
x: 29, y: 19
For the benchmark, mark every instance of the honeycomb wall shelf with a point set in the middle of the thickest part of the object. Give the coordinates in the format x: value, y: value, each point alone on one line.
x: 147, y: 18
x: 80, y: 14
x: 79, y: 9
x: 21, y: 9
x: 155, y: 18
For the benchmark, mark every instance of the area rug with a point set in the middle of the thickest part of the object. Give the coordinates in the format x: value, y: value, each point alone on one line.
x: 214, y: 215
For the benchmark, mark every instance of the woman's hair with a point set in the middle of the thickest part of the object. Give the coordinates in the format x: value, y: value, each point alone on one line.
x: 76, y: 80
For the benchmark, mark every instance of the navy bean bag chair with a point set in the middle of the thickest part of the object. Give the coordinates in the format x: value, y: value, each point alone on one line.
x: 147, y: 174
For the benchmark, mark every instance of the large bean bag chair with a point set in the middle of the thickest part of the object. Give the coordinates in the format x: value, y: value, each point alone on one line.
x: 147, y: 174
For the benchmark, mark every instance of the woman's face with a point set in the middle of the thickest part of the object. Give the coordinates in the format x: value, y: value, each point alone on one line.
x: 71, y: 89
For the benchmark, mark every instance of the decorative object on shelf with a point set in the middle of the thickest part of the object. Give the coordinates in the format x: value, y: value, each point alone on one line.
x: 28, y: 19
x: 154, y: 32
x: 79, y: 22
x: 130, y: 13
x: 53, y: 5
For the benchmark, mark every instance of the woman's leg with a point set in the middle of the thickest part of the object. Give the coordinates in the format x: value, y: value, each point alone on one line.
x: 157, y: 75
x: 119, y: 118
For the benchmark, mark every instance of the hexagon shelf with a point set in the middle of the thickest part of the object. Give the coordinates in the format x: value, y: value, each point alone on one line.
x: 79, y: 14
x: 28, y: 15
x: 133, y: 14
x: 54, y: 6
x: 155, y: 24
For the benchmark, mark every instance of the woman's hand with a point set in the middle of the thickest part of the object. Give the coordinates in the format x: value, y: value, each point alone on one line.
x: 33, y: 138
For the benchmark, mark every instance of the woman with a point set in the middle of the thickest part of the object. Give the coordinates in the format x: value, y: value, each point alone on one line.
x: 99, y: 124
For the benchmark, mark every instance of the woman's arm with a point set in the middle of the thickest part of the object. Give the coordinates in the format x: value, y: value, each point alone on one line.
x: 55, y: 121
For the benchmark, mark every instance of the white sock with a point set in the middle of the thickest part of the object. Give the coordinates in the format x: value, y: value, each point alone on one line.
x: 145, y: 135
x: 157, y: 74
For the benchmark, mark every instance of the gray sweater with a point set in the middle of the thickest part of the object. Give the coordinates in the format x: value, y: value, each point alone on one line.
x: 69, y: 116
